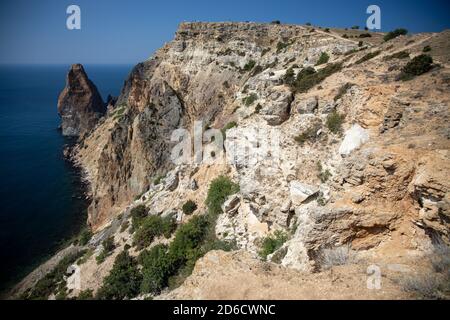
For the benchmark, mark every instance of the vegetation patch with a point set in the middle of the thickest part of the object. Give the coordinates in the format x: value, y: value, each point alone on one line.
x: 323, y: 175
x: 250, y: 99
x: 219, y: 190
x: 394, y: 34
x: 324, y: 57
x: 124, y: 280
x: 138, y: 214
x: 84, y: 237
x: 272, y: 243
x: 426, y: 49
x: 416, y: 67
x: 108, y: 246
x: 152, y: 227
x: 189, y: 207
x: 398, y: 55
x: 309, y: 77
x: 334, y: 122
x: 249, y: 66
x: 368, y: 56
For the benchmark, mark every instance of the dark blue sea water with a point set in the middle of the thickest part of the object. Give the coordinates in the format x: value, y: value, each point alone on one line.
x: 41, y: 201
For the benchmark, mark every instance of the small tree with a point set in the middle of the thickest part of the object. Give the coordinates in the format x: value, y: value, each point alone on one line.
x: 189, y: 207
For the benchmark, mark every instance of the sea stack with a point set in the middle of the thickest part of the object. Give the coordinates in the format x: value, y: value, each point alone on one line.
x: 79, y: 104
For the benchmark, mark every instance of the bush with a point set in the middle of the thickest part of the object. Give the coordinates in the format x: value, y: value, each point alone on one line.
x: 108, y: 246
x: 323, y: 175
x: 272, y: 243
x: 368, y: 56
x: 218, y: 192
x: 308, y: 77
x: 250, y: 99
x: 335, y: 257
x: 324, y: 57
x: 355, y: 27
x: 327, y: 30
x: 365, y: 35
x: 398, y: 55
x: 151, y: 227
x: 87, y: 294
x: 276, y: 22
x: 138, y: 214
x: 394, y: 34
x: 281, y: 46
x: 157, y: 266
x: 417, y: 66
x: 189, y: 207
x: 289, y: 77
x: 249, y: 65
x: 123, y: 281
x: 426, y: 49
x: 84, y: 237
x: 343, y: 90
x: 334, y: 122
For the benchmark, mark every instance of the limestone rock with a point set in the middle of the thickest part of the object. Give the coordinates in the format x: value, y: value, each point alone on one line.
x: 307, y: 106
x: 276, y: 109
x: 300, y: 192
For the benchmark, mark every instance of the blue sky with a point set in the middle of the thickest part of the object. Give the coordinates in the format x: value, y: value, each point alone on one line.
x: 126, y: 32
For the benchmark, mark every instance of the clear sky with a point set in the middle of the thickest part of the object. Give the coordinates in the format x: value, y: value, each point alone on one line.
x: 126, y: 32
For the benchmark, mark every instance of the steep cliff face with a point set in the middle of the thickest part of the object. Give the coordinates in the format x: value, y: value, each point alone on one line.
x: 79, y: 104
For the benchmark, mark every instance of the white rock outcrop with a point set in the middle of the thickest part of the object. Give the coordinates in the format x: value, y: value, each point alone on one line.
x: 354, y: 138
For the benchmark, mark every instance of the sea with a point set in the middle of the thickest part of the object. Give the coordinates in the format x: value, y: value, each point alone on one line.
x: 42, y: 202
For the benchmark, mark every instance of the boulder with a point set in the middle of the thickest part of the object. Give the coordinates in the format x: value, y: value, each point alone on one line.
x: 231, y: 205
x: 277, y: 108
x: 300, y: 192
x: 307, y: 106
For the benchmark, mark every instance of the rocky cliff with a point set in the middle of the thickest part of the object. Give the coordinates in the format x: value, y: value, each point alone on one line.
x: 79, y: 104
x: 338, y: 160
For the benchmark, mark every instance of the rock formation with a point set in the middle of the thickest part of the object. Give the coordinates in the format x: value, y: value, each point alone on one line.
x: 79, y: 104
x: 330, y: 165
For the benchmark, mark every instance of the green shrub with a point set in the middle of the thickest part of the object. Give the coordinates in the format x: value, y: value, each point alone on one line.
x: 289, y: 77
x: 308, y: 77
x: 123, y: 281
x: 138, y: 214
x: 281, y: 45
x: 157, y: 266
x: 398, y: 55
x: 108, y: 246
x: 250, y: 99
x: 87, y: 294
x: 368, y: 56
x: 417, y: 66
x: 426, y: 49
x: 84, y: 237
x: 394, y: 34
x: 249, y: 65
x: 343, y: 90
x: 365, y: 35
x: 158, y: 180
x: 327, y: 30
x: 151, y: 227
x: 218, y: 192
x: 324, y: 57
x: 189, y: 207
x: 355, y: 27
x: 334, y: 122
x: 272, y: 243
